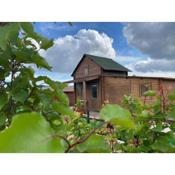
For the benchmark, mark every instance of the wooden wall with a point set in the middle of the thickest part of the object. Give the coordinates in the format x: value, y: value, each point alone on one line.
x: 93, y: 69
x: 136, y: 87
x: 168, y: 86
x: 114, y: 88
x: 71, y: 96
x: 115, y: 73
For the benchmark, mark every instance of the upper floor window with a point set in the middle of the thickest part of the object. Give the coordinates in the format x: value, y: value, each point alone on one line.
x: 86, y: 71
x: 145, y: 87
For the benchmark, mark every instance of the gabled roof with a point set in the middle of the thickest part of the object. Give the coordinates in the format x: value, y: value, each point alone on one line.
x: 108, y: 64
x: 104, y: 63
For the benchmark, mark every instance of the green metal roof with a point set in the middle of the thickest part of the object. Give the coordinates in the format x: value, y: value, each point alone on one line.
x: 107, y: 63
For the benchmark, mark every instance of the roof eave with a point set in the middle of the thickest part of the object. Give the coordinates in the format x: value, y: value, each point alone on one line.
x: 127, y: 70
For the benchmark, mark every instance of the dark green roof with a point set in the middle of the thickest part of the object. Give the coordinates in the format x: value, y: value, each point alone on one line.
x: 107, y: 63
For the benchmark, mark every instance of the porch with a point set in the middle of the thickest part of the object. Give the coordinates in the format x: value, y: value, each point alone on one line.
x: 88, y: 90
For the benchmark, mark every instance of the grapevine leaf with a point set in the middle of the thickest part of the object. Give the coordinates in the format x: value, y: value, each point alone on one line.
x: 20, y: 95
x: 63, y: 109
x: 165, y: 143
x: 40, y: 61
x: 8, y: 33
x: 149, y: 93
x: 172, y: 96
x: 94, y: 144
x: 44, y: 42
x: 59, y: 94
x: 3, y: 100
x: 171, y: 116
x: 2, y: 118
x: 117, y: 115
x: 158, y: 128
x: 27, y: 27
x: 29, y: 132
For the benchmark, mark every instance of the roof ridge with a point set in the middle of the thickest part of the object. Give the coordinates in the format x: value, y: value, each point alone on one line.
x: 98, y: 56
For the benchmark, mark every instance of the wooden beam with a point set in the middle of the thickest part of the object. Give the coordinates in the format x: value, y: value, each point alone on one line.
x: 84, y: 95
x: 75, y: 93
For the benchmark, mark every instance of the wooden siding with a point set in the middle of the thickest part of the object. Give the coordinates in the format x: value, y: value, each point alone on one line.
x: 93, y: 69
x: 116, y: 87
x: 137, y: 82
x: 114, y: 73
x: 168, y: 86
x: 71, y: 96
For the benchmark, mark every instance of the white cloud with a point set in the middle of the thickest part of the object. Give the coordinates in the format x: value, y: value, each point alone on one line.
x: 148, y: 67
x: 67, y: 51
x: 157, y: 41
x: 151, y: 65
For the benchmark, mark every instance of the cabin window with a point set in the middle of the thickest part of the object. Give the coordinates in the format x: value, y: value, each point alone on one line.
x: 94, y: 90
x: 145, y: 87
x: 86, y: 71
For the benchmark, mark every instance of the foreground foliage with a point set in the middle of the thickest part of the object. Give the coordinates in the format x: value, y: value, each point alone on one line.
x: 37, y: 119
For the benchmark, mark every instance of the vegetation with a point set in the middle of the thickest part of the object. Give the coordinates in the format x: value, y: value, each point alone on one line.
x: 37, y: 119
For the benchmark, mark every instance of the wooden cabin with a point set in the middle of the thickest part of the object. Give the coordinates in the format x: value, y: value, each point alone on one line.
x: 98, y: 80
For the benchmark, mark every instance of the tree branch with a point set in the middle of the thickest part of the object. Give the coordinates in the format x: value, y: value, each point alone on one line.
x: 85, y: 138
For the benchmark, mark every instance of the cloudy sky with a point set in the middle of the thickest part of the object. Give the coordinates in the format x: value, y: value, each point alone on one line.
x: 148, y: 49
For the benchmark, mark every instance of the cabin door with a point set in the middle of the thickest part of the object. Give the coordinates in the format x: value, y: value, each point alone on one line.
x: 93, y: 95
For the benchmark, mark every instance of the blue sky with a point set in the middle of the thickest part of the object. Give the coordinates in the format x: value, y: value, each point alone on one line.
x: 135, y: 45
x: 112, y: 29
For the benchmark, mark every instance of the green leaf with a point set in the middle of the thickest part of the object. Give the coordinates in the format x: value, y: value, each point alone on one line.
x: 27, y: 27
x: 165, y: 143
x: 3, y: 74
x: 45, y: 97
x: 59, y: 94
x: 158, y: 128
x: 8, y: 33
x: 29, y: 133
x: 94, y: 144
x: 20, y: 95
x: 172, y: 96
x: 171, y: 116
x: 117, y: 115
x: 63, y: 109
x: 40, y: 61
x: 44, y: 42
x: 149, y: 93
x: 3, y: 99
x: 144, y: 114
x: 2, y: 118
